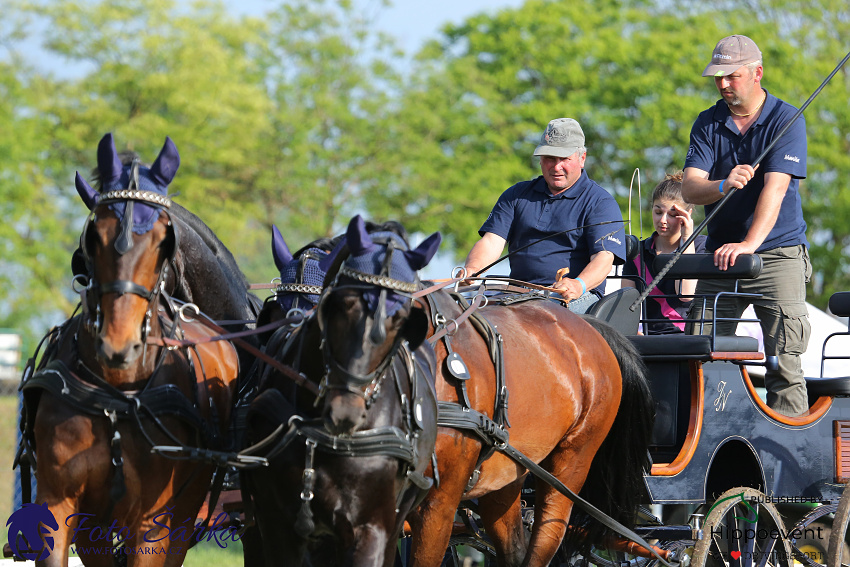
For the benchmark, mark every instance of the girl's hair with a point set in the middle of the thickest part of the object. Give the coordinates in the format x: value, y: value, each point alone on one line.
x: 671, y: 189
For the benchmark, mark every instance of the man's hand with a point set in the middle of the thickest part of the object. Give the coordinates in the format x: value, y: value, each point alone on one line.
x: 739, y: 177
x: 568, y: 288
x: 726, y: 255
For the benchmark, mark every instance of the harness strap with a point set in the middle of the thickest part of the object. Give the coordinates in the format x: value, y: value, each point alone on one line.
x: 497, y: 355
x: 165, y: 399
x: 452, y: 415
x: 282, y: 368
x: 387, y: 441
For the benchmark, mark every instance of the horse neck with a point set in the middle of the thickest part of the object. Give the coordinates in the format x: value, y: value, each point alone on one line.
x: 209, y: 278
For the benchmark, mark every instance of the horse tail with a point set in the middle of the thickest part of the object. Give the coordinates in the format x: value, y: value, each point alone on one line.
x: 615, y: 482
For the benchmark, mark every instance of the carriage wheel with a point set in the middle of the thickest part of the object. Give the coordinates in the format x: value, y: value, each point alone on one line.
x: 812, y: 552
x: 839, y: 552
x: 742, y: 531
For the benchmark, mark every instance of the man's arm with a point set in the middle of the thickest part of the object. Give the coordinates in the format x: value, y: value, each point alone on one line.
x: 766, y: 213
x: 593, y: 274
x: 484, y: 252
x: 699, y: 190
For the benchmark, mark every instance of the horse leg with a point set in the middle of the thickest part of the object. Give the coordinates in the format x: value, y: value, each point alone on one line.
x: 431, y: 523
x: 569, y: 463
x: 501, y: 514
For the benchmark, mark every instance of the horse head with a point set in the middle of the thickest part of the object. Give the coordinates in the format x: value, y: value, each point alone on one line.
x: 365, y: 315
x: 125, y: 245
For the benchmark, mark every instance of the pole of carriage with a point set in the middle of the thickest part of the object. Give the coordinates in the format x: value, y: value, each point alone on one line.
x: 731, y: 191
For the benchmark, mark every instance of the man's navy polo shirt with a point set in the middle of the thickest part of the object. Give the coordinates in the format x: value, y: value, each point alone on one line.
x: 717, y: 147
x: 528, y: 212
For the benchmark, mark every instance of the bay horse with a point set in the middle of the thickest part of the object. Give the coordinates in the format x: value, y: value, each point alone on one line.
x: 105, y: 392
x: 344, y: 475
x: 580, y: 407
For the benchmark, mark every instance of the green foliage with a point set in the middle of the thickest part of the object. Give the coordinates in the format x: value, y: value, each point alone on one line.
x: 302, y: 118
x: 630, y: 72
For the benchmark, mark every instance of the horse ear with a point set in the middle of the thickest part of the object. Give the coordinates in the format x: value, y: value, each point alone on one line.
x: 327, y: 262
x: 108, y: 162
x: 358, y: 238
x: 280, y: 251
x: 419, y: 257
x: 167, y: 162
x: 89, y: 195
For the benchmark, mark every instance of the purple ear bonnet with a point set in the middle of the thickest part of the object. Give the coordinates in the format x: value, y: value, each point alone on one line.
x: 116, y: 177
x: 310, y: 274
x: 369, y: 252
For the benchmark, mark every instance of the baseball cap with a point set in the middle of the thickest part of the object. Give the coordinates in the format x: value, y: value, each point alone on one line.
x: 730, y: 54
x: 562, y: 138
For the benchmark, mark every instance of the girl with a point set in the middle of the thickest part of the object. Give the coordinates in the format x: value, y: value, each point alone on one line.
x: 668, y: 303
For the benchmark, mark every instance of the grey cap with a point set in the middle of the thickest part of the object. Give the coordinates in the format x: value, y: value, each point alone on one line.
x: 562, y: 138
x: 730, y: 54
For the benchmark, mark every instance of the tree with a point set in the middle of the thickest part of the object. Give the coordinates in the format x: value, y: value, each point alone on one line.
x: 629, y: 71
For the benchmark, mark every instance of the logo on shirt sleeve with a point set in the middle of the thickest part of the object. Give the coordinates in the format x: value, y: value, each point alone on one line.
x: 691, y: 151
x: 795, y: 159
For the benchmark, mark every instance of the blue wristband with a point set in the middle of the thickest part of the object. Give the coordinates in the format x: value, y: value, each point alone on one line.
x: 583, y: 286
x: 721, y: 186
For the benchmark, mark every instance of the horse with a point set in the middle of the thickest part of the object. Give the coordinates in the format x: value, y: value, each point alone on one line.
x: 580, y: 407
x: 202, y: 270
x: 108, y: 389
x: 340, y: 495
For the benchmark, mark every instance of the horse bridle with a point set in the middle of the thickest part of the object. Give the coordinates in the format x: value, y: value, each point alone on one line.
x: 365, y: 385
x: 94, y: 290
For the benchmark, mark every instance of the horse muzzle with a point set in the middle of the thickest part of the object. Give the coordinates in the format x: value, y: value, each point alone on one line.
x: 345, y: 412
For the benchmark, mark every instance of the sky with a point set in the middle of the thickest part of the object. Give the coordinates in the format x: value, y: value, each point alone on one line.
x: 412, y: 22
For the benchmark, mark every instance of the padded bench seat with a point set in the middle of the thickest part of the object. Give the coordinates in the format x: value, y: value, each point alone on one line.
x: 828, y: 386
x: 689, y: 347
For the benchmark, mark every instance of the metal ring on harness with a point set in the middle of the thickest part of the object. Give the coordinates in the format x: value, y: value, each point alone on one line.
x: 484, y: 299
x: 181, y: 311
x: 292, y: 313
x: 454, y: 322
x: 460, y: 274
x: 83, y: 281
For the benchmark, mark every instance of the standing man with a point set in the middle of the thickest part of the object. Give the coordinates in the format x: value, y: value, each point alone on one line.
x: 765, y: 214
x: 562, y: 199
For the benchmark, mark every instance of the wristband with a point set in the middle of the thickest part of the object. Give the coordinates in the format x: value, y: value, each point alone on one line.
x: 721, y: 186
x: 583, y: 286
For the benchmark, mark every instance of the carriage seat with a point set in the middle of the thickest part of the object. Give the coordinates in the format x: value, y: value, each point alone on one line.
x: 689, y: 347
x: 701, y: 266
x: 614, y: 310
x: 828, y: 386
x: 839, y: 304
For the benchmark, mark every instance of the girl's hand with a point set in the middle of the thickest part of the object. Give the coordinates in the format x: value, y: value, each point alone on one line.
x: 686, y: 223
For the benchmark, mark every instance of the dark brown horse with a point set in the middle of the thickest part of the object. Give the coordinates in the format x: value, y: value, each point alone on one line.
x: 106, y: 392
x: 343, y: 476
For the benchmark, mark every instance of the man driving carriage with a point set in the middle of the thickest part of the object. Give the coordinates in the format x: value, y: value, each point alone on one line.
x: 580, y: 222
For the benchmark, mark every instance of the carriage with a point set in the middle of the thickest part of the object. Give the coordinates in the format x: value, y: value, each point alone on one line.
x: 730, y: 480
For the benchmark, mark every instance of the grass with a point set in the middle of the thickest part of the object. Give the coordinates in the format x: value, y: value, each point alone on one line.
x: 8, y: 446
x: 202, y: 555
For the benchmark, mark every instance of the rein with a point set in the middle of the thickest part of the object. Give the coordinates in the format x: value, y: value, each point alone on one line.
x: 296, y: 377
